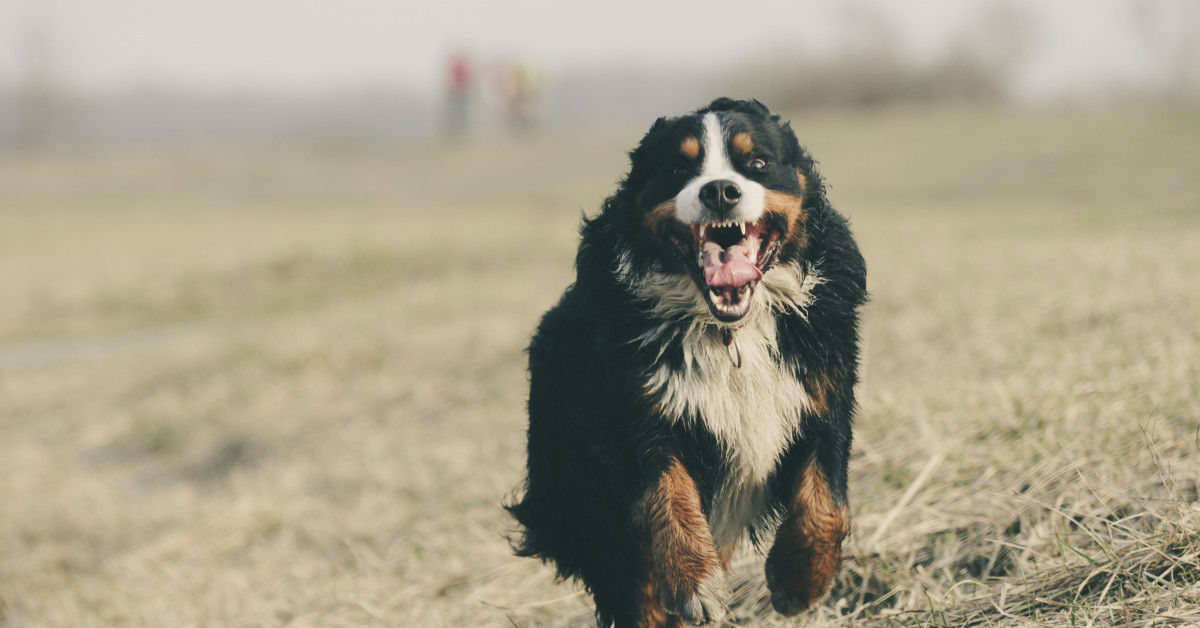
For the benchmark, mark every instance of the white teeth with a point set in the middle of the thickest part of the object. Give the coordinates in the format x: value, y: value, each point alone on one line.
x: 725, y: 224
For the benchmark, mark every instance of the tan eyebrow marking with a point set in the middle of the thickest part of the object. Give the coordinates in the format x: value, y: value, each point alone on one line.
x: 743, y: 143
x: 690, y: 147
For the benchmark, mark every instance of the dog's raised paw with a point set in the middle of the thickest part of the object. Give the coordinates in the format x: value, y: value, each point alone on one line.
x: 795, y: 587
x: 788, y: 603
x: 707, y: 604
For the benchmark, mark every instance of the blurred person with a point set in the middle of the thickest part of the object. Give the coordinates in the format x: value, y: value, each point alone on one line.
x: 459, y: 76
x: 522, y: 86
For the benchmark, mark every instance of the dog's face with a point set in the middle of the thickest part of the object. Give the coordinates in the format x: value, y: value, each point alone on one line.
x: 718, y: 195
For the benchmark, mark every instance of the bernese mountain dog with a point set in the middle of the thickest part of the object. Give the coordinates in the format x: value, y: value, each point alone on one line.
x: 695, y: 386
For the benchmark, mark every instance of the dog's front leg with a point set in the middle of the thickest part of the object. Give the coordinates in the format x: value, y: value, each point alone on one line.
x: 682, y: 560
x: 808, y: 546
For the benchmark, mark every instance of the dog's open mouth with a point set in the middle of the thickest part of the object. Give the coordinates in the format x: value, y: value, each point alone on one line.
x: 730, y: 259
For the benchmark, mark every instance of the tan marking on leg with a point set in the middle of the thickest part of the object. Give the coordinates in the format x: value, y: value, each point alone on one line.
x: 742, y: 143
x: 808, y: 546
x: 683, y: 559
x: 690, y: 147
x: 650, y: 613
x: 681, y: 543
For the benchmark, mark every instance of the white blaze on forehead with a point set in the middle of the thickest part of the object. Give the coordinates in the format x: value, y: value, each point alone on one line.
x: 716, y: 160
x: 716, y: 165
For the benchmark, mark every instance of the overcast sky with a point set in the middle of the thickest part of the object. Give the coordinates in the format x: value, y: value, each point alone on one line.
x: 309, y: 45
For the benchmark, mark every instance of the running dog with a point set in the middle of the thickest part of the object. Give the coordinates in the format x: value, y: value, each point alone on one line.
x: 694, y: 387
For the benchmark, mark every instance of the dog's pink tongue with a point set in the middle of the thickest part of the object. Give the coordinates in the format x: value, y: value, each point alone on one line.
x: 729, y: 268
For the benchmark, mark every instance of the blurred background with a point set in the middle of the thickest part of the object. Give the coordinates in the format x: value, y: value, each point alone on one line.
x: 138, y: 72
x: 269, y: 268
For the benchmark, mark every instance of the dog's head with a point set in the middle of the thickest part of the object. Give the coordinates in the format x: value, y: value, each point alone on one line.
x: 718, y: 195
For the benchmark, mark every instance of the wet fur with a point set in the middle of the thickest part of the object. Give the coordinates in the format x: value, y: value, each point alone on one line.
x: 631, y: 386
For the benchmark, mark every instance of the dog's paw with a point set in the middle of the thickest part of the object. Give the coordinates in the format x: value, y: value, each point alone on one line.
x: 707, y: 603
x: 797, y: 584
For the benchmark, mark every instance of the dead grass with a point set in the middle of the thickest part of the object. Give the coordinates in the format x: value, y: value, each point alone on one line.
x: 285, y: 386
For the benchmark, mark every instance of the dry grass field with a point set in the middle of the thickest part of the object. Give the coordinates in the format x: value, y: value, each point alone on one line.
x: 285, y: 386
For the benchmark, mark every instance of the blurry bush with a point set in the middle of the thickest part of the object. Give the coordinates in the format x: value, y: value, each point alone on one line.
x: 877, y: 68
x: 867, y: 77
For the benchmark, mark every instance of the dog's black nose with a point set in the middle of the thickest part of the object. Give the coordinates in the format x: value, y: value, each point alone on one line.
x: 720, y: 195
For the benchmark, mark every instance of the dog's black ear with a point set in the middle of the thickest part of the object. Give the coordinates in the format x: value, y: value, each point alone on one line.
x: 659, y: 125
x: 756, y: 106
x: 722, y: 104
x: 752, y: 106
x: 640, y: 162
x: 794, y: 150
x: 649, y: 139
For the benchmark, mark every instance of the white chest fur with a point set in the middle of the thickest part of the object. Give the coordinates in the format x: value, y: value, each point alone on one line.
x: 754, y: 411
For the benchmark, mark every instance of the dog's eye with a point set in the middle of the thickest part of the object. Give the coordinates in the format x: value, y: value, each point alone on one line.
x: 758, y: 164
x: 681, y: 171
